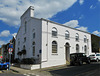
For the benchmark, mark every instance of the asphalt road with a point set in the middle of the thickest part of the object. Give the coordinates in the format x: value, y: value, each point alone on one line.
x: 92, y: 69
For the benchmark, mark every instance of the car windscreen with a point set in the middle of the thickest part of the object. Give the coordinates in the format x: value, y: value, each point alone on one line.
x: 97, y: 54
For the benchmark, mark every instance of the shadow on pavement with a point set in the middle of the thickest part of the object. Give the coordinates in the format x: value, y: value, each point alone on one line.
x: 77, y: 70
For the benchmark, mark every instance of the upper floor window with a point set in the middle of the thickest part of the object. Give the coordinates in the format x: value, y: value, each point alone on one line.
x: 67, y: 35
x: 77, y: 37
x: 25, y: 39
x: 85, y: 38
x: 33, y: 43
x: 54, y: 31
x: 25, y: 26
x: 54, y: 47
x: 33, y: 35
x: 18, y: 43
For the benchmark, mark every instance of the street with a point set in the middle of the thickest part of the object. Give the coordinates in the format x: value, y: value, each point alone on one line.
x: 92, y: 69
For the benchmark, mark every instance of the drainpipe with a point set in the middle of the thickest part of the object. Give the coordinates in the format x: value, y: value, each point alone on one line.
x: 47, y: 40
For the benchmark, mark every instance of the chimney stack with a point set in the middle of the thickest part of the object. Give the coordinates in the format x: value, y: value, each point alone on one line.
x: 28, y: 13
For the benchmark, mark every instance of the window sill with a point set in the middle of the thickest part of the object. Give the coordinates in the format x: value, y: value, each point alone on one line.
x: 77, y: 41
x: 54, y: 36
x: 54, y: 54
x: 67, y: 39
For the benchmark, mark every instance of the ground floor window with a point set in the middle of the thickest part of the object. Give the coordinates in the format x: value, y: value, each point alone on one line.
x: 33, y: 50
x: 77, y: 48
x: 85, y: 49
x: 54, y: 47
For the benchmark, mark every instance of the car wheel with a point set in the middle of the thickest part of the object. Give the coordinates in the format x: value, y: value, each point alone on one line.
x: 97, y: 60
x: 88, y: 62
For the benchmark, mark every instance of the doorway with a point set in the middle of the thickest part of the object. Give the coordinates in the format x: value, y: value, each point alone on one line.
x: 67, y: 52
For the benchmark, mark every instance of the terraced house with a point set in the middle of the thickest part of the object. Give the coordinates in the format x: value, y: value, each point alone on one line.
x: 48, y: 42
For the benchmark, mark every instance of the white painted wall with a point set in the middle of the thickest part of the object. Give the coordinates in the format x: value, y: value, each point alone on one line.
x: 49, y: 59
x: 33, y: 25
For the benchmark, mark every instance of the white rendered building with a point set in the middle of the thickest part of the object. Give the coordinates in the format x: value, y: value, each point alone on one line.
x: 48, y: 41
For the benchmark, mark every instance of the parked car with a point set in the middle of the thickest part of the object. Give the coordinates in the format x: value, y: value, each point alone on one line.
x: 95, y: 57
x: 79, y: 58
x: 4, y: 65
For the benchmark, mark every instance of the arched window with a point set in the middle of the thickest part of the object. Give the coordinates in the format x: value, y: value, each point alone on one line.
x: 77, y: 48
x: 54, y: 47
x: 54, y: 31
x: 85, y: 38
x: 33, y: 48
x: 77, y: 37
x: 85, y: 49
x: 67, y: 35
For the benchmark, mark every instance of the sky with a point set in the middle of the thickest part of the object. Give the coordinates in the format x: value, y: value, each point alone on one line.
x: 80, y: 14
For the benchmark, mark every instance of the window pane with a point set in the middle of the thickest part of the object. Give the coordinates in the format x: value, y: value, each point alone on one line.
x: 77, y: 48
x: 85, y: 39
x: 66, y: 35
x: 33, y: 35
x: 54, y: 47
x: 77, y: 37
x: 25, y: 39
x: 54, y: 32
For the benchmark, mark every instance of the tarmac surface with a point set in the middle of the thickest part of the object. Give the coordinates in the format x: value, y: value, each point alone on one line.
x: 92, y: 69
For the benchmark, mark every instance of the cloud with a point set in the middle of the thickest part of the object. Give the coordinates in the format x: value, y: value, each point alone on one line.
x: 72, y: 23
x: 98, y: 0
x: 75, y: 24
x: 92, y: 7
x: 5, y: 33
x: 11, y: 10
x: 83, y: 28
x: 96, y: 32
x: 81, y: 2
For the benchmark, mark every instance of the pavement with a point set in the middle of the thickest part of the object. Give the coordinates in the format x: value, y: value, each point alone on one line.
x: 38, y: 72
